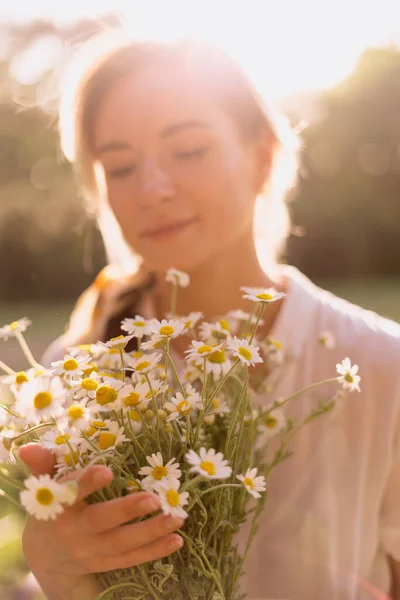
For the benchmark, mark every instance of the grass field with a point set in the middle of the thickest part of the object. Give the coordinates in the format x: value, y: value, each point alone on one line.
x: 382, y: 296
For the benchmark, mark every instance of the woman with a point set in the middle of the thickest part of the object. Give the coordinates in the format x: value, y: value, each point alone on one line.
x: 175, y: 149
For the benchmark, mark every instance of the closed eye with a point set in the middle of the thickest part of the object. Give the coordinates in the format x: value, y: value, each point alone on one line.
x: 121, y: 172
x: 192, y: 154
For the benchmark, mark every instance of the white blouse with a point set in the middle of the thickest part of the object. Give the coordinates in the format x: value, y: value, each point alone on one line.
x: 333, y: 509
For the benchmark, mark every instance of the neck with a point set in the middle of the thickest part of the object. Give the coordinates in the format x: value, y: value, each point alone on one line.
x: 215, y: 285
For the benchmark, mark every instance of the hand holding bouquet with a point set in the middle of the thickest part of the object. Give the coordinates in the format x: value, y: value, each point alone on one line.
x: 185, y: 430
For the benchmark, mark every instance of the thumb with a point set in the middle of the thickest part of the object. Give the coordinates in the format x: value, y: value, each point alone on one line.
x: 40, y: 460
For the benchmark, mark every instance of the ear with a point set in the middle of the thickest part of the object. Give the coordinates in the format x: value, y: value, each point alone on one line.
x: 263, y: 154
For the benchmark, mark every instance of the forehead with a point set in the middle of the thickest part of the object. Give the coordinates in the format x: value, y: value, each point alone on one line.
x: 145, y: 103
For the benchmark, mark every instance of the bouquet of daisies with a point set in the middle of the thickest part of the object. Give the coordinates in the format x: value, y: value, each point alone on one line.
x: 185, y: 429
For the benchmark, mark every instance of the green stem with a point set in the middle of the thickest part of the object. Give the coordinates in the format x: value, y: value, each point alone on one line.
x: 11, y: 499
x: 31, y: 430
x: 173, y: 299
x: 219, y: 386
x: 304, y: 389
x: 121, y: 353
x: 6, y: 368
x: 28, y: 354
x: 153, y: 398
x: 171, y: 362
x: 262, y: 308
x: 11, y: 482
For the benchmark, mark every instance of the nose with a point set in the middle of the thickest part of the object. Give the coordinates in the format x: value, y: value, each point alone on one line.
x: 156, y: 185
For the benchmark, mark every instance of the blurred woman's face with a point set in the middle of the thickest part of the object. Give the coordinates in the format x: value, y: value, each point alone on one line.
x: 180, y: 180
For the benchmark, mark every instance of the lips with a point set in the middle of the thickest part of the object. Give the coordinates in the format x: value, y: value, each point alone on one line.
x: 167, y: 229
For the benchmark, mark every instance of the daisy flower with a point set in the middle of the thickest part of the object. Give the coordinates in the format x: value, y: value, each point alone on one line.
x: 135, y: 421
x: 244, y: 351
x: 79, y: 414
x: 177, y: 277
x: 85, y: 389
x: 56, y: 440
x: 209, y: 464
x: 107, y: 395
x: 156, y: 342
x: 214, y: 332
x: 168, y: 329
x: 144, y: 363
x: 273, y: 350
x: 18, y: 379
x: 348, y: 375
x: 12, y: 329
x: 191, y: 320
x: 40, y: 398
x: 272, y: 423
x: 263, y: 295
x: 218, y: 407
x: 180, y: 406
x: 253, y: 484
x: 137, y: 327
x: 171, y: 500
x: 200, y: 350
x: 327, y: 340
x: 117, y: 343
x: 132, y: 396
x: 82, y: 349
x: 70, y: 366
x: 112, y: 437
x: 44, y: 497
x: 157, y: 472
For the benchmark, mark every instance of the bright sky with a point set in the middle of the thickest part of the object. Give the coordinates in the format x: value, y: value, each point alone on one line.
x: 287, y: 46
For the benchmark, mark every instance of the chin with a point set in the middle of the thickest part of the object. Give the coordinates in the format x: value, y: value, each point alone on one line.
x: 185, y: 260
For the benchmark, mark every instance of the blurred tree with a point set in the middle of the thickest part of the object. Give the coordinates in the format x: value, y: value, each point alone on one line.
x: 348, y: 197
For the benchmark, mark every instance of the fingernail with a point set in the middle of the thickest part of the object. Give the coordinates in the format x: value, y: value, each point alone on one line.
x: 175, y: 544
x: 148, y: 504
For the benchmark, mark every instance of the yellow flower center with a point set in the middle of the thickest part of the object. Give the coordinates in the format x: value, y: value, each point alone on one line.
x: 118, y: 346
x: 89, y: 432
x: 132, y: 399
x: 136, y: 354
x: 349, y: 378
x: 42, y: 400
x: 208, y: 466
x: 172, y: 497
x: 133, y: 484
x: 217, y: 357
x: 84, y: 347
x: 139, y: 323
x: 75, y: 411
x: 215, y: 403
x: 204, y: 349
x: 183, y: 406
x: 89, y: 385
x: 143, y: 365
x: 21, y: 377
x: 61, y: 439
x: 277, y: 345
x: 270, y: 422
x: 244, y: 352
x: 99, y: 423
x: 166, y: 330
x: 89, y: 368
x: 44, y: 496
x: 14, y: 325
x: 159, y: 472
x: 106, y: 440
x: 134, y: 415
x: 106, y: 394
x: 249, y: 482
x: 113, y: 350
x: 71, y: 458
x: 264, y: 296
x: 70, y: 365
x: 224, y: 324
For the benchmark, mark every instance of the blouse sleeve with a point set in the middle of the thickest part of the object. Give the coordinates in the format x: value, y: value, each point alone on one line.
x: 390, y: 512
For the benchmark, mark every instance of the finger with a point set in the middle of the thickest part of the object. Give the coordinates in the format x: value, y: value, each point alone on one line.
x: 104, y: 516
x: 128, y: 537
x: 40, y: 460
x: 158, y: 549
x: 89, y: 480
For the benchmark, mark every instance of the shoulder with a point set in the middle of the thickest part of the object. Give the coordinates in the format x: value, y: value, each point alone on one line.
x: 367, y: 338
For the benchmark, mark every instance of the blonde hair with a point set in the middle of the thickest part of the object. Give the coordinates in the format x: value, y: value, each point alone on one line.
x: 106, y: 58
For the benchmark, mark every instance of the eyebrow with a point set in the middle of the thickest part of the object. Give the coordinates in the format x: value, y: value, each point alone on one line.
x: 166, y: 132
